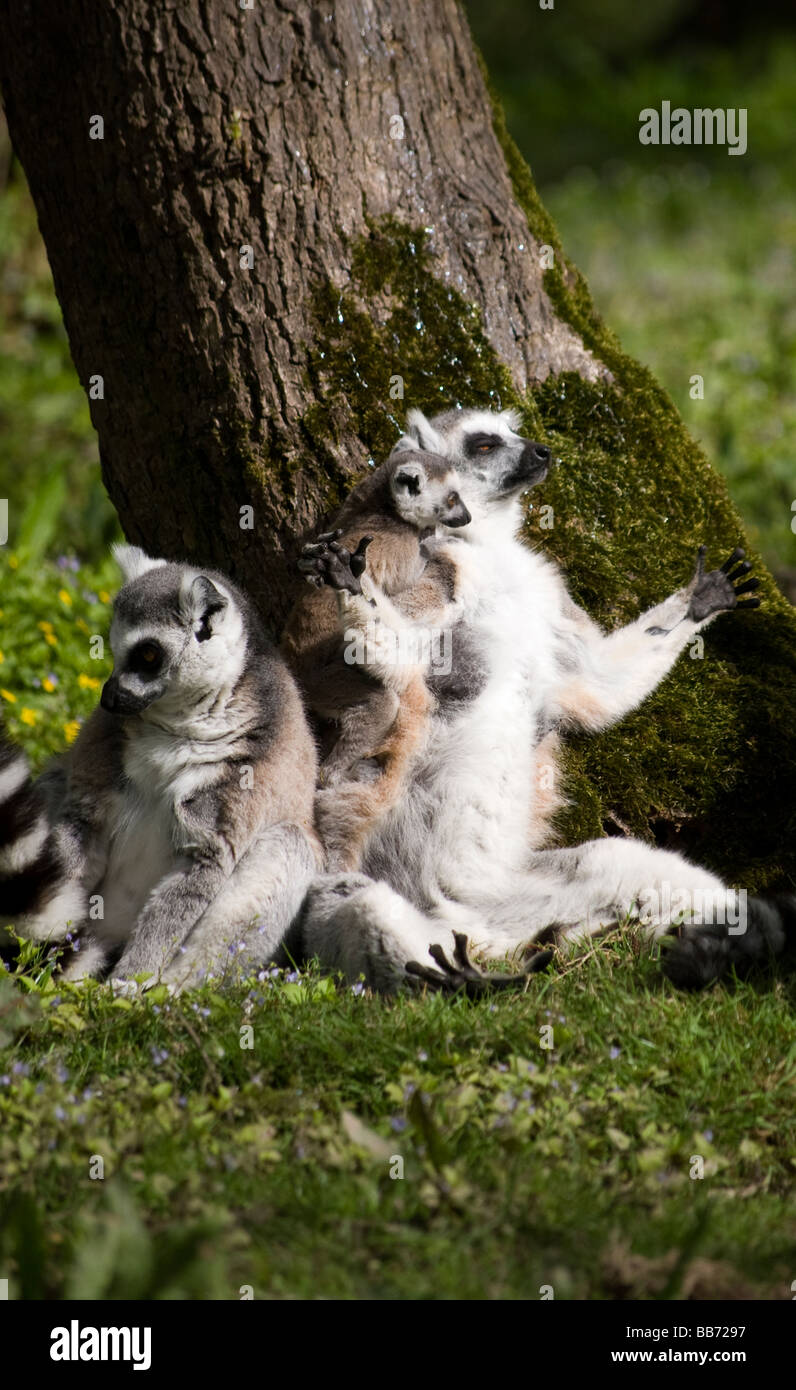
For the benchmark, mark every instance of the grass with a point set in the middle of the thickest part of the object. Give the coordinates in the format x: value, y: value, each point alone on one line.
x: 54, y: 653
x: 269, y: 1165
x: 693, y: 288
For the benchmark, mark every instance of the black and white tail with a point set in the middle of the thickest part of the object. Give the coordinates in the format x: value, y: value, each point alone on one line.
x: 34, y: 887
x: 700, y: 955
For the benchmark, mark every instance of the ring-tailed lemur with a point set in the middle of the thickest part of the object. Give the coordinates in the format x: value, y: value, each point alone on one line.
x: 374, y: 712
x: 456, y: 849
x: 183, y: 812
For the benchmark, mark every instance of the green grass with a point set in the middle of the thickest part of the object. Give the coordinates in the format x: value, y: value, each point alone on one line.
x: 49, y: 461
x: 226, y: 1166
x: 689, y: 267
x: 54, y: 652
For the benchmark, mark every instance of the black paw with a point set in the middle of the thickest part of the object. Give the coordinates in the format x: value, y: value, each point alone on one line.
x: 462, y: 974
x: 718, y: 590
x: 697, y: 956
x: 326, y: 561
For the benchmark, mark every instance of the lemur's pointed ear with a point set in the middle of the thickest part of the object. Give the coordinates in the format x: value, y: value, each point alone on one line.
x: 409, y: 478
x: 512, y: 418
x: 203, y: 603
x: 420, y: 434
x: 133, y: 562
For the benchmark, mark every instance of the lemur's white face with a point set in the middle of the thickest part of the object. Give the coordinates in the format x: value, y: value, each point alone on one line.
x: 425, y: 499
x: 494, y: 463
x: 177, y: 638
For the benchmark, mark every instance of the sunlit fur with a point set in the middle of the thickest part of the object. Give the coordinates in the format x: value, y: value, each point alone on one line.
x: 461, y: 849
x: 181, y: 819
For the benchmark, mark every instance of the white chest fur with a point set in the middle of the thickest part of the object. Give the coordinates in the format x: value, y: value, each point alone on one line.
x: 146, y: 835
x: 468, y: 811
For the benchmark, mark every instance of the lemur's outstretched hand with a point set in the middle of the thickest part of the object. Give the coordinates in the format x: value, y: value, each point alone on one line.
x: 326, y: 561
x: 718, y: 590
x: 462, y: 974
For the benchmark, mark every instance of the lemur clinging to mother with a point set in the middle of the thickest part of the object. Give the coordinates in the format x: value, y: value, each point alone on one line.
x: 183, y: 812
x: 455, y: 849
x: 374, y: 714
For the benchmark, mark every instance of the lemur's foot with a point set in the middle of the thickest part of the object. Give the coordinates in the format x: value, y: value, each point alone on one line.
x: 462, y: 974
x: 326, y: 561
x: 718, y: 590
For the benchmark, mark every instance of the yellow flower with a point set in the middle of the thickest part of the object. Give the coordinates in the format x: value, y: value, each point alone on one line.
x: 72, y: 729
x: 13, y: 562
x: 6, y: 694
x: 2, y: 658
x: 51, y: 639
x: 65, y: 597
x: 48, y: 685
x: 79, y: 623
x: 103, y: 596
x: 28, y: 716
x: 88, y: 682
x: 45, y: 627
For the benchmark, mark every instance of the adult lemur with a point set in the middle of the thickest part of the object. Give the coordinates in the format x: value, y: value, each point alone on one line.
x: 457, y: 849
x: 371, y: 716
x: 184, y: 810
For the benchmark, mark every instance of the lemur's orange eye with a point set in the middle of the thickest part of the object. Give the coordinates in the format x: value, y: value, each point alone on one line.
x: 485, y: 448
x: 149, y: 653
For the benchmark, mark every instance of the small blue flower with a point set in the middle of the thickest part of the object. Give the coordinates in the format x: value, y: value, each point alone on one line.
x: 397, y: 1123
x: 614, y: 1053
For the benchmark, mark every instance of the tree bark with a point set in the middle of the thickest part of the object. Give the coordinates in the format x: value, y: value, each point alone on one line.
x: 266, y: 127
x: 393, y: 233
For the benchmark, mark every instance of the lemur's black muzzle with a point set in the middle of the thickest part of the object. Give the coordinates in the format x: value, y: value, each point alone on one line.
x: 532, y: 468
x: 458, y: 515
x: 116, y: 700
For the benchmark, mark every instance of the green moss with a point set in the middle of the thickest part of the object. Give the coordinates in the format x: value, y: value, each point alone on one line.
x: 423, y: 332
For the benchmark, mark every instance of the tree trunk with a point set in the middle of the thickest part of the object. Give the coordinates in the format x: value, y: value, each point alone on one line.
x: 266, y: 127
x: 298, y: 211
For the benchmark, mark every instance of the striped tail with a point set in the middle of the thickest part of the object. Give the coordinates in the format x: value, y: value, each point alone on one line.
x: 36, y: 897
x: 700, y: 955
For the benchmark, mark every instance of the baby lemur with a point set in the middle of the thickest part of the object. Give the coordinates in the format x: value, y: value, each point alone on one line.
x: 371, y: 714
x: 183, y: 812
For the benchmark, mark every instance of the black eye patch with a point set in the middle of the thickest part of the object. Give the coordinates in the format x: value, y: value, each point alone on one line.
x: 146, y: 659
x: 476, y: 444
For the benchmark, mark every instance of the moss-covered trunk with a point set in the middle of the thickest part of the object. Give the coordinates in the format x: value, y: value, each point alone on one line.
x: 302, y: 218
